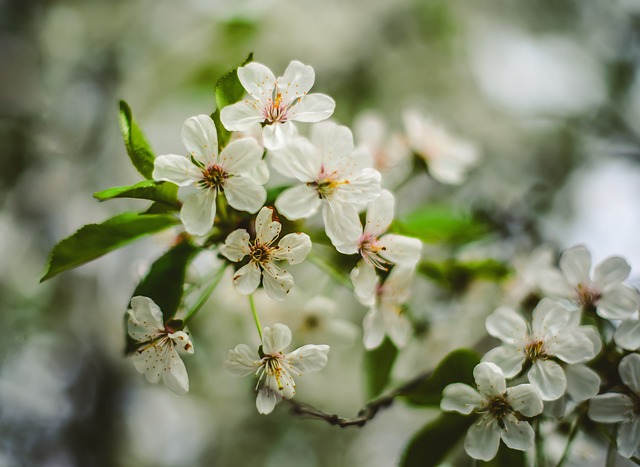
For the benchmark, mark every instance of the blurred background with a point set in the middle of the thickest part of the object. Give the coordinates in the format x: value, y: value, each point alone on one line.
x: 548, y: 91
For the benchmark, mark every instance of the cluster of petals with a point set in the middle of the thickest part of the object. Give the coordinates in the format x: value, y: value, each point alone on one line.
x: 604, y: 291
x: 331, y: 175
x: 275, y: 368
x: 274, y: 104
x: 157, y: 357
x: 263, y: 255
x: 238, y: 171
x: 497, y: 406
x: 553, y: 336
x: 622, y: 408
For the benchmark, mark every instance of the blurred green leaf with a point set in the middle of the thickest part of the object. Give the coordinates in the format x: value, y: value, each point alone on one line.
x: 506, y: 458
x: 431, y: 445
x: 378, y: 363
x: 434, y: 224
x: 456, y: 275
x: 137, y: 146
x: 457, y: 367
x: 161, y: 192
x: 95, y: 240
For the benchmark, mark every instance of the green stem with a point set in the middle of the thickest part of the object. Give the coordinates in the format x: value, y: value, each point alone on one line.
x: 573, y: 431
x: 539, y: 445
x: 222, y: 206
x: 255, y: 315
x: 330, y: 270
x: 611, y: 451
x: 205, y: 295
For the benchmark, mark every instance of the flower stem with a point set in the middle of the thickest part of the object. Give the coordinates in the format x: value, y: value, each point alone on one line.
x: 539, y: 445
x: 573, y: 431
x: 255, y: 315
x: 205, y: 295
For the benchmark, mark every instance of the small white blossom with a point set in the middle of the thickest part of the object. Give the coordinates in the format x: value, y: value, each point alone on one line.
x: 276, y: 103
x: 275, y: 369
x: 293, y: 248
x: 157, y: 357
x: 622, y: 408
x: 497, y: 406
x: 333, y: 176
x: 238, y: 171
x: 319, y: 319
x: 551, y: 335
x: 605, y: 291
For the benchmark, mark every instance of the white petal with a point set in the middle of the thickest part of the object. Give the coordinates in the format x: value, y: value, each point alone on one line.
x: 241, y: 361
x: 452, y: 165
x: 266, y: 228
x: 275, y: 339
x: 277, y: 135
x: 296, y: 81
x: 582, y: 382
x: 548, y: 378
x: 198, y: 212
x: 360, y: 189
x: 341, y: 222
x: 373, y: 329
x: 259, y: 173
x: 525, y: 399
x: 460, y: 398
x: 145, y: 319
x: 610, y: 408
x: 240, y: 156
x: 282, y: 383
x: 483, y: 439
x: 396, y: 288
x: 553, y: 283
x: 150, y: 361
x: 629, y: 437
x: 380, y: 214
x: 258, y: 81
x: 517, y: 434
x: 627, y: 335
x: 591, y: 333
x: 176, y: 169
x: 298, y: 159
x: 507, y: 357
x: 293, y: 247
x: 575, y: 263
x: 506, y: 325
x: 549, y: 317
x: 241, y: 116
x: 629, y: 370
x: 365, y: 282
x: 611, y: 271
x: 267, y: 400
x: 400, y: 249
x: 276, y: 282
x: 398, y: 327
x: 313, y: 108
x: 247, y: 279
x: 298, y: 202
x: 236, y: 245
x: 571, y: 346
x: 489, y: 379
x: 200, y: 138
x: 335, y: 142
x: 308, y: 358
x: 182, y: 341
x: 244, y: 194
x: 619, y: 302
x: 175, y: 376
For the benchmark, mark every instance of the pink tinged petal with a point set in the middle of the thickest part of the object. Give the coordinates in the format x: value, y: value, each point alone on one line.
x: 380, y: 214
x: 247, y: 279
x: 611, y: 271
x: 341, y: 223
x: 200, y: 138
x: 236, y: 245
x: 275, y: 339
x: 629, y: 370
x: 373, y: 329
x: 335, y: 142
x: 507, y: 325
x: 145, y: 319
x: 489, y: 379
x: 182, y: 341
x: 276, y: 282
x: 548, y: 378
x: 293, y: 247
x: 308, y: 358
x: 517, y: 434
x: 549, y: 318
x: 176, y: 169
x: 240, y: 156
x: 175, y: 376
x: 296, y: 81
x: 257, y: 80
x: 619, y: 302
x: 483, y: 439
x: 359, y: 189
x: 277, y: 135
x: 571, y: 346
x: 299, y: 159
x: 610, y: 408
x: 198, y: 212
x: 629, y: 437
x: 627, y: 335
x: 582, y: 382
x: 241, y: 116
x: 524, y: 398
x: 461, y: 398
x: 244, y: 194
x: 365, y: 282
x: 312, y: 108
x: 400, y: 249
x: 575, y: 264
x: 266, y: 228
x: 298, y: 202
x: 241, y: 361
x: 267, y: 400
x: 508, y: 357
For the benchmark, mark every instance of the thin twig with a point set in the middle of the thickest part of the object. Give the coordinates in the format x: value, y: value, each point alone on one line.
x: 570, y: 437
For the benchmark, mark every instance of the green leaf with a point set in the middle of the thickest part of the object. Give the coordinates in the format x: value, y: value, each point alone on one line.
x: 457, y: 367
x: 435, y: 224
x: 431, y: 445
x: 378, y: 363
x: 137, y: 146
x: 161, y: 192
x: 455, y: 275
x: 506, y: 458
x: 95, y: 240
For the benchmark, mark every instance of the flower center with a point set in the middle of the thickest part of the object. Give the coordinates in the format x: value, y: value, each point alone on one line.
x: 213, y: 177
x: 369, y: 248
x: 535, y: 350
x: 498, y: 406
x: 260, y: 253
x: 311, y: 322
x: 587, y: 296
x: 275, y: 111
x: 273, y: 367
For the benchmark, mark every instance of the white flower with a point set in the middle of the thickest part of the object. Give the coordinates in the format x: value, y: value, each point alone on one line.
x: 622, y: 408
x: 551, y: 335
x: 497, y: 406
x: 158, y: 357
x: 605, y: 292
x: 276, y: 103
x: 333, y: 176
x: 448, y: 158
x: 275, y: 369
x: 238, y: 171
x: 293, y: 248
x: 627, y: 335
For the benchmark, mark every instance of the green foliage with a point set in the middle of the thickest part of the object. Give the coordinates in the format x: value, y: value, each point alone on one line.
x: 506, y: 458
x: 456, y: 275
x: 161, y: 192
x: 431, y: 445
x: 457, y: 367
x: 95, y: 240
x: 378, y: 363
x: 137, y: 146
x: 436, y: 224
